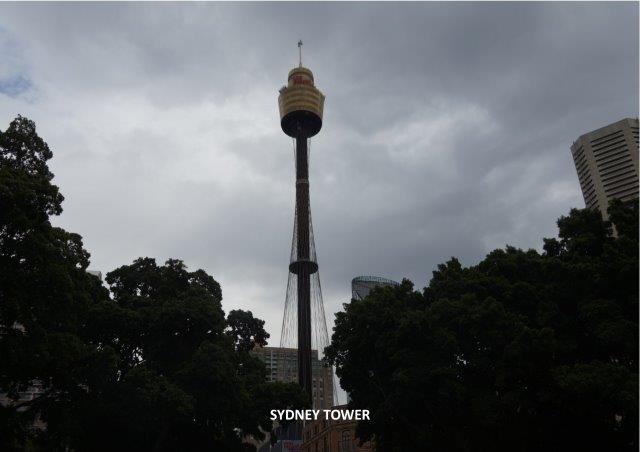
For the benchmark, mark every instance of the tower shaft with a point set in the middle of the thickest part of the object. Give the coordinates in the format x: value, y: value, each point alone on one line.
x: 303, y: 264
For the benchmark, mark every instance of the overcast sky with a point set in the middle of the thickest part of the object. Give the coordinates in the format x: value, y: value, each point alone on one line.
x: 446, y: 132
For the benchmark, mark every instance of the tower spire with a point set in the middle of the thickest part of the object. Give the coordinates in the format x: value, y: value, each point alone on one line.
x: 300, y: 51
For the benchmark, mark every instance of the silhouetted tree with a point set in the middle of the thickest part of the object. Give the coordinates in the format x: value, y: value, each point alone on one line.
x: 522, y: 352
x: 45, y: 292
x: 245, y: 330
x: 152, y: 365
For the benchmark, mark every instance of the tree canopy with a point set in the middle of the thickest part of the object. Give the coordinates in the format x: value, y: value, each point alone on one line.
x: 150, y: 364
x: 523, y: 351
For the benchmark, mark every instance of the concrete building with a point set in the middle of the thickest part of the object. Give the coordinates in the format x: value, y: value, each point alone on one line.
x: 607, y: 164
x: 362, y: 285
x: 282, y: 365
x: 332, y: 436
x: 289, y: 439
x: 96, y: 273
x: 32, y: 392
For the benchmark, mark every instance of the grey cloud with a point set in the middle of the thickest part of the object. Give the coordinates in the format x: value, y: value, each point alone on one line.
x: 447, y: 129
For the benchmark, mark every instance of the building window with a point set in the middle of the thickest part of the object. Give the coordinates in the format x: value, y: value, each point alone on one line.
x: 346, y: 443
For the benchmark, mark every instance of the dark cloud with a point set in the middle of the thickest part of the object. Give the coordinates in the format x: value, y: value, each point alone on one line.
x: 447, y: 129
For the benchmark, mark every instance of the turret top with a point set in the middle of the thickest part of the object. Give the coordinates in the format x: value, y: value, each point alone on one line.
x: 301, y: 104
x: 300, y: 76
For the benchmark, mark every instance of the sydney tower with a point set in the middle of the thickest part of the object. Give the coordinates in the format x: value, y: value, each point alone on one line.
x: 301, y: 105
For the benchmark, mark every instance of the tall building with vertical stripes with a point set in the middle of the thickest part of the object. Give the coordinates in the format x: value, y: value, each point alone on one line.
x: 282, y: 365
x: 607, y: 164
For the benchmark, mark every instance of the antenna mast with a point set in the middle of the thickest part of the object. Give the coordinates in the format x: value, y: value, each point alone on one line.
x: 300, y: 51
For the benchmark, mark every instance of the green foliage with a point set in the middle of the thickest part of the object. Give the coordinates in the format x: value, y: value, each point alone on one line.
x: 524, y: 351
x: 45, y: 293
x: 152, y: 365
x: 246, y: 331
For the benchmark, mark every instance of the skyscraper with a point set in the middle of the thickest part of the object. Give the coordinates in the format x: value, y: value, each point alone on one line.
x: 362, y: 285
x: 282, y: 365
x: 607, y: 164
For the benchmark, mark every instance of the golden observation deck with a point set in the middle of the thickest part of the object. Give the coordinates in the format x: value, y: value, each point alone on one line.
x: 301, y: 104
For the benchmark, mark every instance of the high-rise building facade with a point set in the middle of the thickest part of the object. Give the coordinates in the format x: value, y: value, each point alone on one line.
x: 282, y: 365
x: 362, y: 285
x: 607, y: 164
